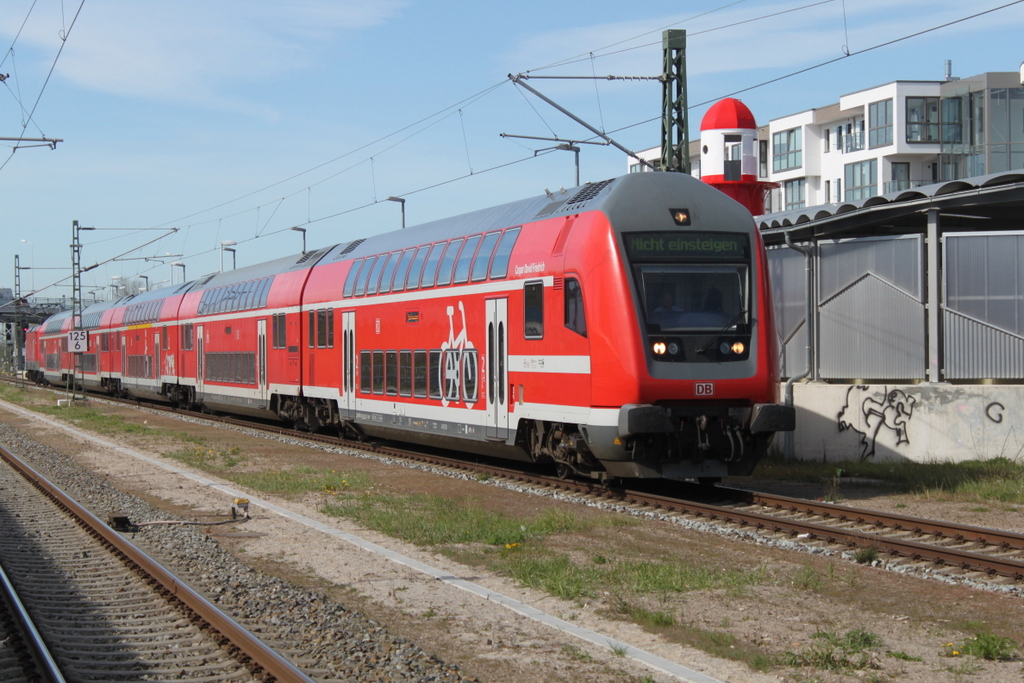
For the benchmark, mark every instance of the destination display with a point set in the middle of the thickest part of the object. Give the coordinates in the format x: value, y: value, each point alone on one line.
x: 686, y: 246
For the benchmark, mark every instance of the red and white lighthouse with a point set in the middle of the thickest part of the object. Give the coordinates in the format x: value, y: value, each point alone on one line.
x: 728, y: 154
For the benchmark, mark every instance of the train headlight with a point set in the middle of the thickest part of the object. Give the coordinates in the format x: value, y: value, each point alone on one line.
x: 724, y: 348
x: 659, y: 348
x: 673, y: 348
x: 738, y: 348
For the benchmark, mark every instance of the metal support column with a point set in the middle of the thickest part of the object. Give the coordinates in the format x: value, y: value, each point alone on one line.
x: 675, y: 135
x: 19, y: 341
x: 934, y: 297
x: 76, y: 303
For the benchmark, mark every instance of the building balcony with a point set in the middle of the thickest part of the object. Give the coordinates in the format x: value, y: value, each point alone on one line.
x: 854, y: 142
x: 902, y: 185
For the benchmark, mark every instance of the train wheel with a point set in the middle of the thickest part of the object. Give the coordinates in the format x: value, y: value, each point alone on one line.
x: 563, y: 471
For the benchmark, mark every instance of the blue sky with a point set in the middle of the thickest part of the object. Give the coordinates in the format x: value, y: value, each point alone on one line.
x: 236, y: 120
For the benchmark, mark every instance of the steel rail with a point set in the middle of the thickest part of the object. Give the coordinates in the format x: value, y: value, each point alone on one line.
x: 260, y: 659
x: 895, y: 521
x: 46, y: 667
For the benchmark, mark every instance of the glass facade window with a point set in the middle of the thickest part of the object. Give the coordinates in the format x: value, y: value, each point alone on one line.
x: 795, y: 193
x: 922, y: 119
x: 880, y: 123
x: 861, y: 180
x: 787, y: 150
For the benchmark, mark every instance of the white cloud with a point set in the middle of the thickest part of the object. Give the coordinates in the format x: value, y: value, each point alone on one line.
x: 193, y: 52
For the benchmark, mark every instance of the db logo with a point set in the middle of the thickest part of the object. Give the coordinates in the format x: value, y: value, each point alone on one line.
x: 704, y: 388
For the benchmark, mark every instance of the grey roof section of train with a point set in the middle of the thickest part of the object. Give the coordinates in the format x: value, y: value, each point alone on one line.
x: 621, y: 199
x: 515, y: 213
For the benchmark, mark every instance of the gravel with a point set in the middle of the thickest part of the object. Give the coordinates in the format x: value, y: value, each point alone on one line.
x: 325, y: 638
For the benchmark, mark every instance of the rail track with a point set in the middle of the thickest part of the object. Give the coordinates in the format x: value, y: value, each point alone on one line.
x: 104, y: 609
x: 980, y: 554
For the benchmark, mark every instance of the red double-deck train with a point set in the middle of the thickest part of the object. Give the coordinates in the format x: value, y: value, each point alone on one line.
x: 621, y: 329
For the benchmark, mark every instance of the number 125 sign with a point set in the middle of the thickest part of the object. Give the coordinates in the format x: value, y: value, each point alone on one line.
x: 78, y: 341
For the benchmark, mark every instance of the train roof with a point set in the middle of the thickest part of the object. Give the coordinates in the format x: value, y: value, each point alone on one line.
x: 618, y: 197
x: 285, y: 264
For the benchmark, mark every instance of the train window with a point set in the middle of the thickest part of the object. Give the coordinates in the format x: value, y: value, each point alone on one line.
x: 311, y: 332
x: 705, y: 297
x: 430, y: 267
x: 499, y: 265
x: 166, y: 338
x: 405, y: 373
x: 470, y: 372
x: 483, y: 256
x: 462, y: 266
x: 434, y: 374
x: 321, y: 328
x: 444, y: 271
x: 419, y: 374
x: 265, y: 292
x: 104, y: 342
x: 575, y: 320
x: 350, y: 280
x: 402, y: 269
x: 533, y: 308
x: 378, y: 372
x: 365, y: 372
x: 412, y: 281
x: 371, y: 284
x: 330, y: 328
x: 389, y: 272
x: 391, y: 373
x: 364, y: 275
x: 187, y: 337
x: 452, y: 366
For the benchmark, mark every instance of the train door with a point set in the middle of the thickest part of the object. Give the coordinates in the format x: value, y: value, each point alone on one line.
x: 261, y: 363
x: 348, y: 364
x: 200, y: 360
x: 497, y: 364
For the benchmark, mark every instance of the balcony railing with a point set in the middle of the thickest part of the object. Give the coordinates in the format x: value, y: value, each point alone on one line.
x: 853, y: 142
x: 901, y: 185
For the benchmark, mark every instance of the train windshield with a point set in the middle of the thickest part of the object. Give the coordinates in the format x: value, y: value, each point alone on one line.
x: 682, y: 298
x: 694, y: 289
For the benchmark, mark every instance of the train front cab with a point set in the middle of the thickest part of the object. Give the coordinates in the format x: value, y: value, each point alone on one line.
x: 686, y: 387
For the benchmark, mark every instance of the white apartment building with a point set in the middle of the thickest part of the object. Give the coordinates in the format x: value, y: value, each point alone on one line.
x: 890, y: 138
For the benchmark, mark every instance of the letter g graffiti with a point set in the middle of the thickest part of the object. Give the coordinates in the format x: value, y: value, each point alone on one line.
x: 994, y: 411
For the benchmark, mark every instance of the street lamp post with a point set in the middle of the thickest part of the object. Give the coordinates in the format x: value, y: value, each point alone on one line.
x: 402, y: 202
x: 303, y: 231
x: 226, y: 246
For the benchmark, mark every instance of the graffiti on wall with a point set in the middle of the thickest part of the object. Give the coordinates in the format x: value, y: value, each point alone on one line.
x: 867, y: 413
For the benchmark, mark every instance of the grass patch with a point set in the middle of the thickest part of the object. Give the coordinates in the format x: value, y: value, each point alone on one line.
x: 558, y: 575
x: 726, y: 646
x: 833, y: 652
x: 898, y: 654
x: 301, y: 480
x: 207, y: 459
x: 87, y: 417
x: 653, y: 620
x: 997, y: 479
x: 984, y: 645
x: 433, y: 520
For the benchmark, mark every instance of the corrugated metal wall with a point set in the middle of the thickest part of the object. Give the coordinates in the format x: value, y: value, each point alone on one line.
x: 984, y: 305
x: 789, y: 290
x: 870, y: 308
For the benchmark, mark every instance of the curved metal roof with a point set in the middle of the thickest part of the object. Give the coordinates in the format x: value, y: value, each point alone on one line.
x: 967, y: 203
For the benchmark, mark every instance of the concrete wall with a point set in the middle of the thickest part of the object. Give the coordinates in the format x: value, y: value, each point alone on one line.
x: 920, y: 423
